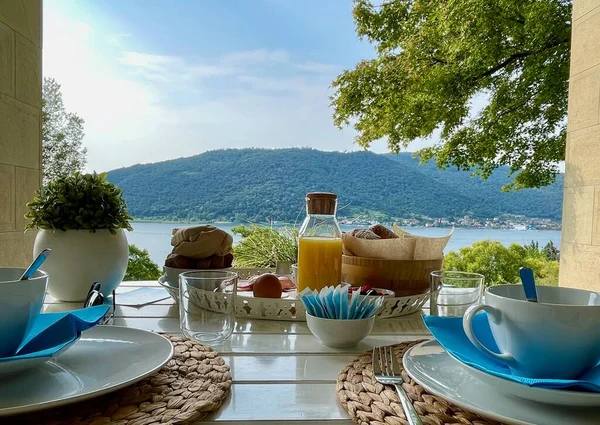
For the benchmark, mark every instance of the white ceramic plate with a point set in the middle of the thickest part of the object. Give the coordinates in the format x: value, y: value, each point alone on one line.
x: 436, y: 371
x: 13, y: 367
x: 541, y: 395
x: 105, y: 359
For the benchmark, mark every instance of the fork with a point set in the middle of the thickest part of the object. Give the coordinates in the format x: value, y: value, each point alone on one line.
x: 387, y: 371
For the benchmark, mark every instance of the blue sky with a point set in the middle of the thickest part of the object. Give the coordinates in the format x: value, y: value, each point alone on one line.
x: 157, y: 80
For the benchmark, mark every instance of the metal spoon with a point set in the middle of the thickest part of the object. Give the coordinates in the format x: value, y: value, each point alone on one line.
x: 35, y: 264
x: 528, y: 282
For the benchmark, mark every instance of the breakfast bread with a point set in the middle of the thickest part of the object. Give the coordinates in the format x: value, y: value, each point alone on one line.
x: 383, y: 232
x: 363, y: 234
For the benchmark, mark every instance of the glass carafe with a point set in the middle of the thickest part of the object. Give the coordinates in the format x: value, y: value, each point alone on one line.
x: 319, y: 244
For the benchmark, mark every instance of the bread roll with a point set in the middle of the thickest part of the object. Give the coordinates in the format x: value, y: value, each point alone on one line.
x: 363, y: 234
x: 177, y: 261
x: 383, y: 232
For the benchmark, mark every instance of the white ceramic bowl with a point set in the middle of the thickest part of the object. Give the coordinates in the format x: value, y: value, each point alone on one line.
x: 172, y: 290
x: 20, y: 303
x: 172, y: 274
x: 340, y: 333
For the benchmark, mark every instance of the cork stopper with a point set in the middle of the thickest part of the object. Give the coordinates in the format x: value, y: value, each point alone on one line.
x: 321, y: 203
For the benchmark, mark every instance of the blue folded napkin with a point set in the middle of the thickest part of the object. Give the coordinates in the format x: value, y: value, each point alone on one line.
x: 448, y: 331
x: 51, y: 332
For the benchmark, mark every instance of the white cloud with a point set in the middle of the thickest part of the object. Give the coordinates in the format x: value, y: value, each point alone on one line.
x: 283, y: 85
x: 148, y: 61
x: 171, y: 69
x: 117, y: 40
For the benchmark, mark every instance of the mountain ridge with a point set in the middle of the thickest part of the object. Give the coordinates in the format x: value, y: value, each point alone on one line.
x: 262, y: 184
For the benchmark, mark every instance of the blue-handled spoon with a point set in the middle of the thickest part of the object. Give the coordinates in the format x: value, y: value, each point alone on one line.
x: 528, y: 282
x: 35, y: 265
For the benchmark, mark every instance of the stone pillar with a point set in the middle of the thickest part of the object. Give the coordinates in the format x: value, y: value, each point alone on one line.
x: 20, y: 125
x: 580, y: 246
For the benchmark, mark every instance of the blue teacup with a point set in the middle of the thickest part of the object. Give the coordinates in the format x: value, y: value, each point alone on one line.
x: 20, y: 303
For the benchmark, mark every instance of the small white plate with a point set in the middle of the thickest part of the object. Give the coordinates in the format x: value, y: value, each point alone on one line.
x: 436, y: 371
x: 105, y: 359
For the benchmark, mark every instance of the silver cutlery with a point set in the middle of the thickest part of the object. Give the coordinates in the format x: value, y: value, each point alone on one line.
x: 387, y: 371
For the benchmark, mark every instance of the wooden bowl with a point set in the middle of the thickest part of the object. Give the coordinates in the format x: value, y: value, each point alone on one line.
x: 404, y: 277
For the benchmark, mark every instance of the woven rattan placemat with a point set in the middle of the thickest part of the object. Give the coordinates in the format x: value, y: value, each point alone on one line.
x: 370, y: 403
x: 194, y: 383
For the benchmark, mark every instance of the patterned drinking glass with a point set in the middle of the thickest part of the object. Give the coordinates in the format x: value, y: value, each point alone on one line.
x: 206, y: 305
x: 452, y: 292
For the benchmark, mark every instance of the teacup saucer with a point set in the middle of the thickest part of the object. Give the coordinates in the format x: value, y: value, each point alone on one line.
x: 10, y: 366
x: 541, y: 395
x: 436, y: 371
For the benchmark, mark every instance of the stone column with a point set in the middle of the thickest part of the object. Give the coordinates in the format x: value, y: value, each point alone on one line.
x: 580, y: 246
x: 20, y: 125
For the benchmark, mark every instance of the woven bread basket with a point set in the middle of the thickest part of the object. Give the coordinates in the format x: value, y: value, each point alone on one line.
x: 404, y: 277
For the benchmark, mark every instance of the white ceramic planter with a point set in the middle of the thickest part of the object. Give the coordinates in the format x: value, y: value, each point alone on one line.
x: 80, y: 258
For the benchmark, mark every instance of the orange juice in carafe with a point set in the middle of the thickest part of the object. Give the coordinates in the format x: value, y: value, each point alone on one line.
x: 319, y: 262
x: 319, y: 244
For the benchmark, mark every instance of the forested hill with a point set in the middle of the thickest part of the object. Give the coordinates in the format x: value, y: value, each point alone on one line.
x: 260, y: 184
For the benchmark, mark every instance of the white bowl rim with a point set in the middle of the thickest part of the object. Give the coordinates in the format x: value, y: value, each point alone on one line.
x: 197, y: 270
x: 164, y: 282
x: 39, y: 274
x: 490, y: 291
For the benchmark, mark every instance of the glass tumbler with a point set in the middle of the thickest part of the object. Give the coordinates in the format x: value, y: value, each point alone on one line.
x: 452, y: 292
x: 206, y: 305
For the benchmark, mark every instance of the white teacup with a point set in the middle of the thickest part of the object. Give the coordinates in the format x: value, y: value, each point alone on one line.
x: 556, y: 338
x: 20, y: 303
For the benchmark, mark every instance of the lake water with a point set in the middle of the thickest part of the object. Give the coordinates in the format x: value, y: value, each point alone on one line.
x: 156, y: 237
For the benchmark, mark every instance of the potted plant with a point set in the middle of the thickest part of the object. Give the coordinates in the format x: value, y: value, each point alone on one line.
x: 82, y: 218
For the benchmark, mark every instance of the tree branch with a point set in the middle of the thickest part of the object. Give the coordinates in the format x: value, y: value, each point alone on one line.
x: 516, y: 56
x: 512, y: 108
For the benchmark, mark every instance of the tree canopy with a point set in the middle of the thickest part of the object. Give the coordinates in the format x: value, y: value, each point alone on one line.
x: 62, y: 134
x: 140, y: 266
x: 491, y: 77
x: 500, y: 264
